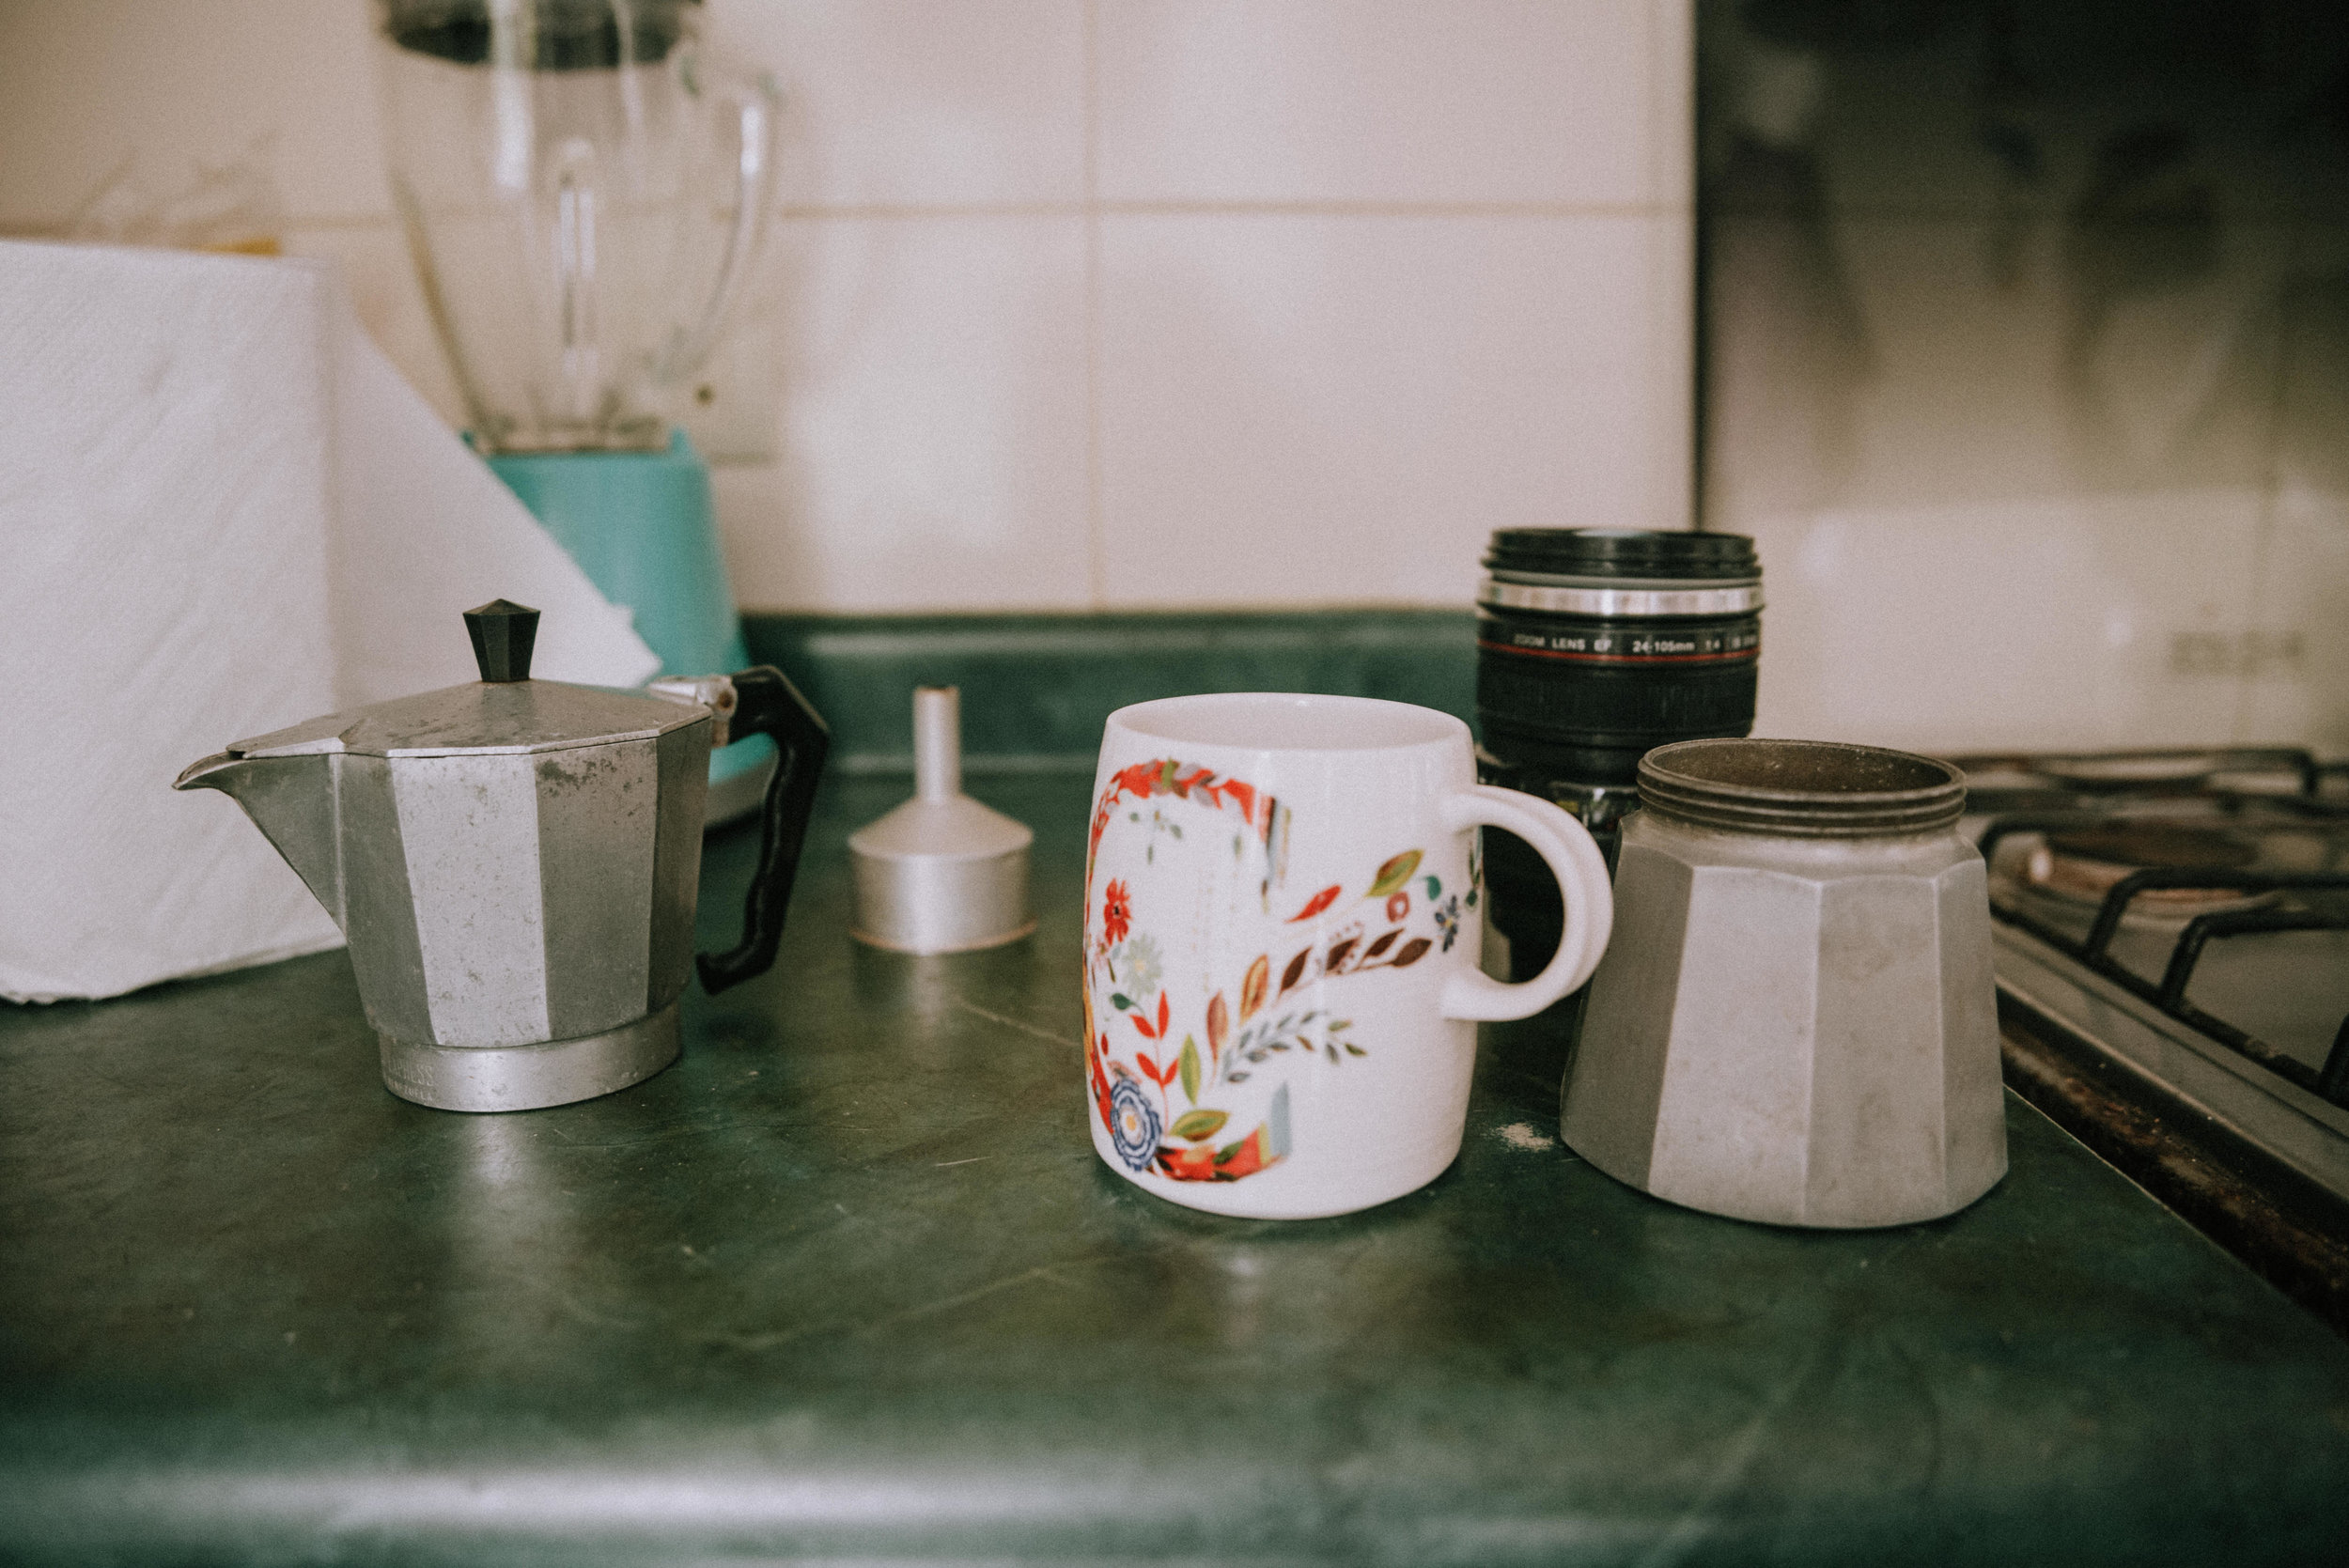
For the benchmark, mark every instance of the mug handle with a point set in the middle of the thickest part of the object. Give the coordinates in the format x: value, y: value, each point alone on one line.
x: 1566, y: 845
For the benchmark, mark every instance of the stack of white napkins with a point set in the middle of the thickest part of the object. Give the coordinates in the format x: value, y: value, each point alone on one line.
x: 221, y: 511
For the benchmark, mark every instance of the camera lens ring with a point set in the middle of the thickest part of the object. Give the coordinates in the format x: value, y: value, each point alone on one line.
x: 1595, y: 646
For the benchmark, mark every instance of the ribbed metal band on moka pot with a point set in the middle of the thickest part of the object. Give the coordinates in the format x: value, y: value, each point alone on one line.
x: 1801, y: 788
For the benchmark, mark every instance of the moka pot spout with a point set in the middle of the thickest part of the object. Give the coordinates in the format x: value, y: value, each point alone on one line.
x: 291, y: 799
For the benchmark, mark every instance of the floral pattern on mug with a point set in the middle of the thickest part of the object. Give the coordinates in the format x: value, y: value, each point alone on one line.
x: 1133, y: 1124
x: 1115, y: 914
x: 1133, y: 1077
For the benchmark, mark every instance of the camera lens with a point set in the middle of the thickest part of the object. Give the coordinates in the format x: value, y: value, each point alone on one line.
x: 1595, y: 645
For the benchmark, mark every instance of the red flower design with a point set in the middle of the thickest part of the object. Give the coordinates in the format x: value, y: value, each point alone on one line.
x: 1140, y: 779
x: 1201, y: 1163
x: 1246, y: 1157
x: 1117, y: 913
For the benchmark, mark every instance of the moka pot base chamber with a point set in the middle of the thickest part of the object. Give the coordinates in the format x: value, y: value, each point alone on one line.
x: 534, y: 1077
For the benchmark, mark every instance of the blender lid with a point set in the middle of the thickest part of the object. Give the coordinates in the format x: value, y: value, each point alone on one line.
x: 505, y: 712
x: 560, y: 35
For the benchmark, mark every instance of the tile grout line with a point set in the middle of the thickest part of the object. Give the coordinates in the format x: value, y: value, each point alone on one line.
x: 1300, y: 206
x: 1862, y: 211
x: 1673, y: 77
x: 1096, y: 541
x: 1092, y: 205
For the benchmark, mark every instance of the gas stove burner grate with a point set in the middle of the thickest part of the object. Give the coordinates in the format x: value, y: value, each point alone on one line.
x: 2085, y: 863
x: 2232, y: 888
x: 2154, y: 774
x: 2331, y: 1082
x: 2176, y: 1003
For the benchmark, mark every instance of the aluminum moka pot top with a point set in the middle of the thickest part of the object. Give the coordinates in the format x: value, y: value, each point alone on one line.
x: 1798, y: 1022
x: 1801, y: 788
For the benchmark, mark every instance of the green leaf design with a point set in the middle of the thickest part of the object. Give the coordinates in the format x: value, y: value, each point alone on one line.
x: 1393, y: 874
x: 1435, y: 889
x: 1190, y: 1071
x: 1120, y: 1000
x: 1196, y: 1125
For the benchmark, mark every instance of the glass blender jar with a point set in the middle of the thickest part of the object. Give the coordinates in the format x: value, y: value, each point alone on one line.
x: 584, y: 204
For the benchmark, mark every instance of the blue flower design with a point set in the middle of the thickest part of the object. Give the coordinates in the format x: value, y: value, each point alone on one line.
x: 1448, y: 920
x: 1133, y: 1124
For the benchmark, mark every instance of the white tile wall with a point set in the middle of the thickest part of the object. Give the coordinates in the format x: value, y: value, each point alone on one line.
x: 179, y: 83
x: 1072, y: 298
x: 1508, y: 101
x: 2055, y: 623
x: 1149, y: 302
x: 1339, y: 409
x: 933, y: 438
x: 921, y: 103
x: 2292, y: 661
x: 2022, y: 475
x: 1996, y: 508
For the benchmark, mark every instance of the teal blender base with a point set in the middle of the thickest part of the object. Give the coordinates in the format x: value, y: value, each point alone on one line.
x: 641, y: 527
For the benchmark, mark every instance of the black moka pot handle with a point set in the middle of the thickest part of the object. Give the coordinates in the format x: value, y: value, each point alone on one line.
x: 767, y: 703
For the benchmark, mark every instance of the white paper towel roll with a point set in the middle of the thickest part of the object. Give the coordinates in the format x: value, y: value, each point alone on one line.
x: 221, y: 511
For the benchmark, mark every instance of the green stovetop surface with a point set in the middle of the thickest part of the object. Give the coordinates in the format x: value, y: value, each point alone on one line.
x: 848, y: 1283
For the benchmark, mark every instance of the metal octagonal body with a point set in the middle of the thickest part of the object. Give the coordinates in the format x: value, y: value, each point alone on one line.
x: 515, y: 917
x: 514, y: 860
x: 1799, y: 1031
x: 525, y: 896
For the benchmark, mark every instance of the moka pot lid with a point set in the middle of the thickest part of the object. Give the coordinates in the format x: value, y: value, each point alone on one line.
x: 504, y: 712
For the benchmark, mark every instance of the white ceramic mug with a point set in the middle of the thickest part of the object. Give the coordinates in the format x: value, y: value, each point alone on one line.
x: 1280, y: 941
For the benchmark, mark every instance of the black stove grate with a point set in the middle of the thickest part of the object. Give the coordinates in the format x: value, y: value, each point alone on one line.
x: 2306, y: 907
x: 2265, y: 832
